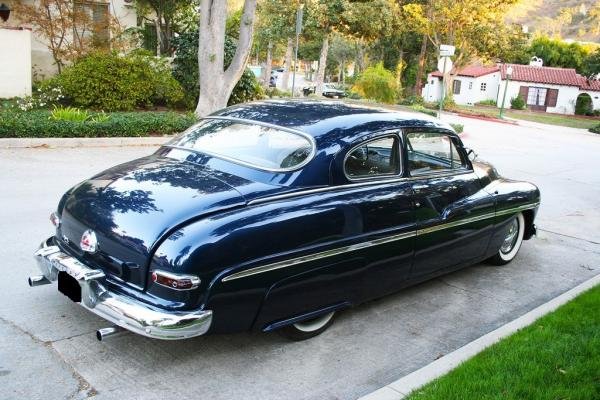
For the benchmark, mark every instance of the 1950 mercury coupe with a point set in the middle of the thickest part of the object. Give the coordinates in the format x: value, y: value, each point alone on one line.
x: 275, y: 215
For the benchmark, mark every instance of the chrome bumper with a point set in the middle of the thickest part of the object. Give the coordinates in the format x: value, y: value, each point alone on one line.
x: 123, y: 311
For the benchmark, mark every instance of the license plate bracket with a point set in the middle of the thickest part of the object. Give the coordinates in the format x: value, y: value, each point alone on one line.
x: 69, y: 286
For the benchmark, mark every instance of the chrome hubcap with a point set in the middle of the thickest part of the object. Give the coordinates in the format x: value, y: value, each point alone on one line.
x: 511, y: 237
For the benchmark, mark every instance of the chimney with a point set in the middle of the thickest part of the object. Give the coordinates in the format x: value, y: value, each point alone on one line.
x: 536, y: 62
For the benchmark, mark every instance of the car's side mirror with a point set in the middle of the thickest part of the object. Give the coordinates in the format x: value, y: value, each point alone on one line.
x: 471, y: 154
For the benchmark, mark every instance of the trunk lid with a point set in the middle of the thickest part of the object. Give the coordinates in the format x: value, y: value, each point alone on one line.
x: 132, y: 206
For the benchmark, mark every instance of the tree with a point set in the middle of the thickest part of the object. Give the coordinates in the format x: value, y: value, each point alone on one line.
x: 557, y: 53
x: 166, y: 15
x: 69, y: 28
x: 462, y: 23
x: 276, y: 27
x: 216, y: 82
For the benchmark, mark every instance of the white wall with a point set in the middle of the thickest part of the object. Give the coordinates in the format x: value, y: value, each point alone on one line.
x: 15, y: 63
x: 470, y: 89
x: 42, y: 61
x: 595, y: 98
x: 565, y: 103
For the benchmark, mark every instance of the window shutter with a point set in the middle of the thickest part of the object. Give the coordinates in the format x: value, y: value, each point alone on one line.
x: 524, y: 92
x: 551, y: 97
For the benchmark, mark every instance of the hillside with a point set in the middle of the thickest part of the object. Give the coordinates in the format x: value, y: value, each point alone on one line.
x: 570, y: 19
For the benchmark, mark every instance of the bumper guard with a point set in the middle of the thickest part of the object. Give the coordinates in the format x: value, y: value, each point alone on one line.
x: 121, y: 310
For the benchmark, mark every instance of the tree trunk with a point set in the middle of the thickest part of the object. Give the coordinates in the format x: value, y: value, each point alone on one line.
x: 360, y: 58
x: 267, y: 77
x: 287, y: 64
x: 322, y: 65
x: 421, y: 67
x: 343, y: 71
x: 216, y: 84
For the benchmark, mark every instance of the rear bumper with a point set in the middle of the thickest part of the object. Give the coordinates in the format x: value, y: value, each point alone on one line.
x: 121, y: 310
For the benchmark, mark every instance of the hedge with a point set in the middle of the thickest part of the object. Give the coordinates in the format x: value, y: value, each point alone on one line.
x: 37, y: 123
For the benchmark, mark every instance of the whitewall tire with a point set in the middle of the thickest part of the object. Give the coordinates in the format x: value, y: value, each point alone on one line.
x: 307, y: 329
x: 513, y: 239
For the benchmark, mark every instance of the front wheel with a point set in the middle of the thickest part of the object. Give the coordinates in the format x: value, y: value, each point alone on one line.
x: 512, y: 241
x: 307, y: 329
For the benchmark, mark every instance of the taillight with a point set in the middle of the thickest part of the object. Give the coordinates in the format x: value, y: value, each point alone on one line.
x: 55, y: 220
x: 175, y: 281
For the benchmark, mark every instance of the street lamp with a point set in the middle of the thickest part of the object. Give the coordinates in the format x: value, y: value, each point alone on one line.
x: 509, y: 71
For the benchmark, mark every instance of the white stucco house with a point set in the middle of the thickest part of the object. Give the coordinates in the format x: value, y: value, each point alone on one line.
x: 548, y: 89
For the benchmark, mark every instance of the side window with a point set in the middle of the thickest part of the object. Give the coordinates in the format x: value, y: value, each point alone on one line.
x: 377, y: 157
x: 432, y: 152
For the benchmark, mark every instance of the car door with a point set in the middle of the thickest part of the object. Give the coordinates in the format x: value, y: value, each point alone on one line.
x: 374, y: 168
x: 454, y: 215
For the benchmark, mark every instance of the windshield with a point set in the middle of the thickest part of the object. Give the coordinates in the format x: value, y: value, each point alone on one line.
x: 249, y: 144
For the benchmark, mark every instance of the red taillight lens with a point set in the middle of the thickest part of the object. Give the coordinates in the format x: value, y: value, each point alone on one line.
x: 55, y: 220
x: 175, y: 281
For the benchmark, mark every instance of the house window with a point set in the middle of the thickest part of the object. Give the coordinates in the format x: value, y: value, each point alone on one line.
x: 456, y: 86
x: 483, y: 86
x: 470, y: 85
x: 536, y: 96
x: 432, y: 81
x: 92, y: 21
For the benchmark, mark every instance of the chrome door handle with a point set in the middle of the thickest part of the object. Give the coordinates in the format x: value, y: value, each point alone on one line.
x: 419, y: 187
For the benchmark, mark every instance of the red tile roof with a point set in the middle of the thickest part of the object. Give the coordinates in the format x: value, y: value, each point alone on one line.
x: 530, y: 73
x: 547, y: 75
x: 472, y: 71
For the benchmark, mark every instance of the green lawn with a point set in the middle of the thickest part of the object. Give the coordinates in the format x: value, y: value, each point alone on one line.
x: 543, y: 118
x: 556, y: 358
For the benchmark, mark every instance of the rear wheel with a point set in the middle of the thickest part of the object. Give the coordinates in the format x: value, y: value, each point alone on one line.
x: 512, y: 241
x: 307, y: 329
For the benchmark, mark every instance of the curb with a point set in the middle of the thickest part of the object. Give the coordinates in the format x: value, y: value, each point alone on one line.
x: 404, y: 386
x: 23, y: 143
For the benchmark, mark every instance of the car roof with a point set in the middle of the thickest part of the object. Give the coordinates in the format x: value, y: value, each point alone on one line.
x: 329, y: 120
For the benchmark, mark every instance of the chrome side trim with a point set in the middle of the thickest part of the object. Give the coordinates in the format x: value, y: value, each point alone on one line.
x: 317, y: 256
x: 370, y: 243
x: 305, y: 135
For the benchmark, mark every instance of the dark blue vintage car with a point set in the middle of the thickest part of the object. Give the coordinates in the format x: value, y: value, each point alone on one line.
x: 274, y: 216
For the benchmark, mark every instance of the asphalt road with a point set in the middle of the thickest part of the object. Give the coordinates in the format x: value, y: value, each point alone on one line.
x: 48, y: 349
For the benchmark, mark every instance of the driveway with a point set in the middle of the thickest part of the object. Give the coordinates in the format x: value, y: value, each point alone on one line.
x: 48, y: 349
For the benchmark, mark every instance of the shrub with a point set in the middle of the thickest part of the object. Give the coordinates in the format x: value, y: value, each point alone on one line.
x: 595, y: 129
x: 421, y: 109
x: 458, y: 128
x: 413, y: 100
x: 583, y: 105
x: 111, y: 82
x: 377, y: 83
x: 69, y: 114
x: 274, y: 92
x: 517, y: 103
x: 487, y: 103
x: 447, y: 104
x: 185, y: 70
x: 38, y: 123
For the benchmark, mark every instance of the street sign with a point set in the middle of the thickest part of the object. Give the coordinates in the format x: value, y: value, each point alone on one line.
x: 444, y: 65
x: 446, y: 50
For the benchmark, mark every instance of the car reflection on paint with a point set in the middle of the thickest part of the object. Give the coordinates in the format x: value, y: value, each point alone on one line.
x: 276, y: 215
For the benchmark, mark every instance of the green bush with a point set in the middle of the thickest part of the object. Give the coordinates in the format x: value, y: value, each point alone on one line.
x: 517, y: 103
x: 185, y: 70
x: 413, y: 100
x: 448, y: 103
x: 110, y: 82
x: 69, y: 114
x: 274, y: 92
x: 422, y: 109
x: 377, y: 83
x: 584, y: 105
x: 458, y: 128
x: 595, y: 129
x: 487, y: 103
x: 38, y: 123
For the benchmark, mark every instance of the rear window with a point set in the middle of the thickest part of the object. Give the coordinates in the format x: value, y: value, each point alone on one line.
x: 257, y: 146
